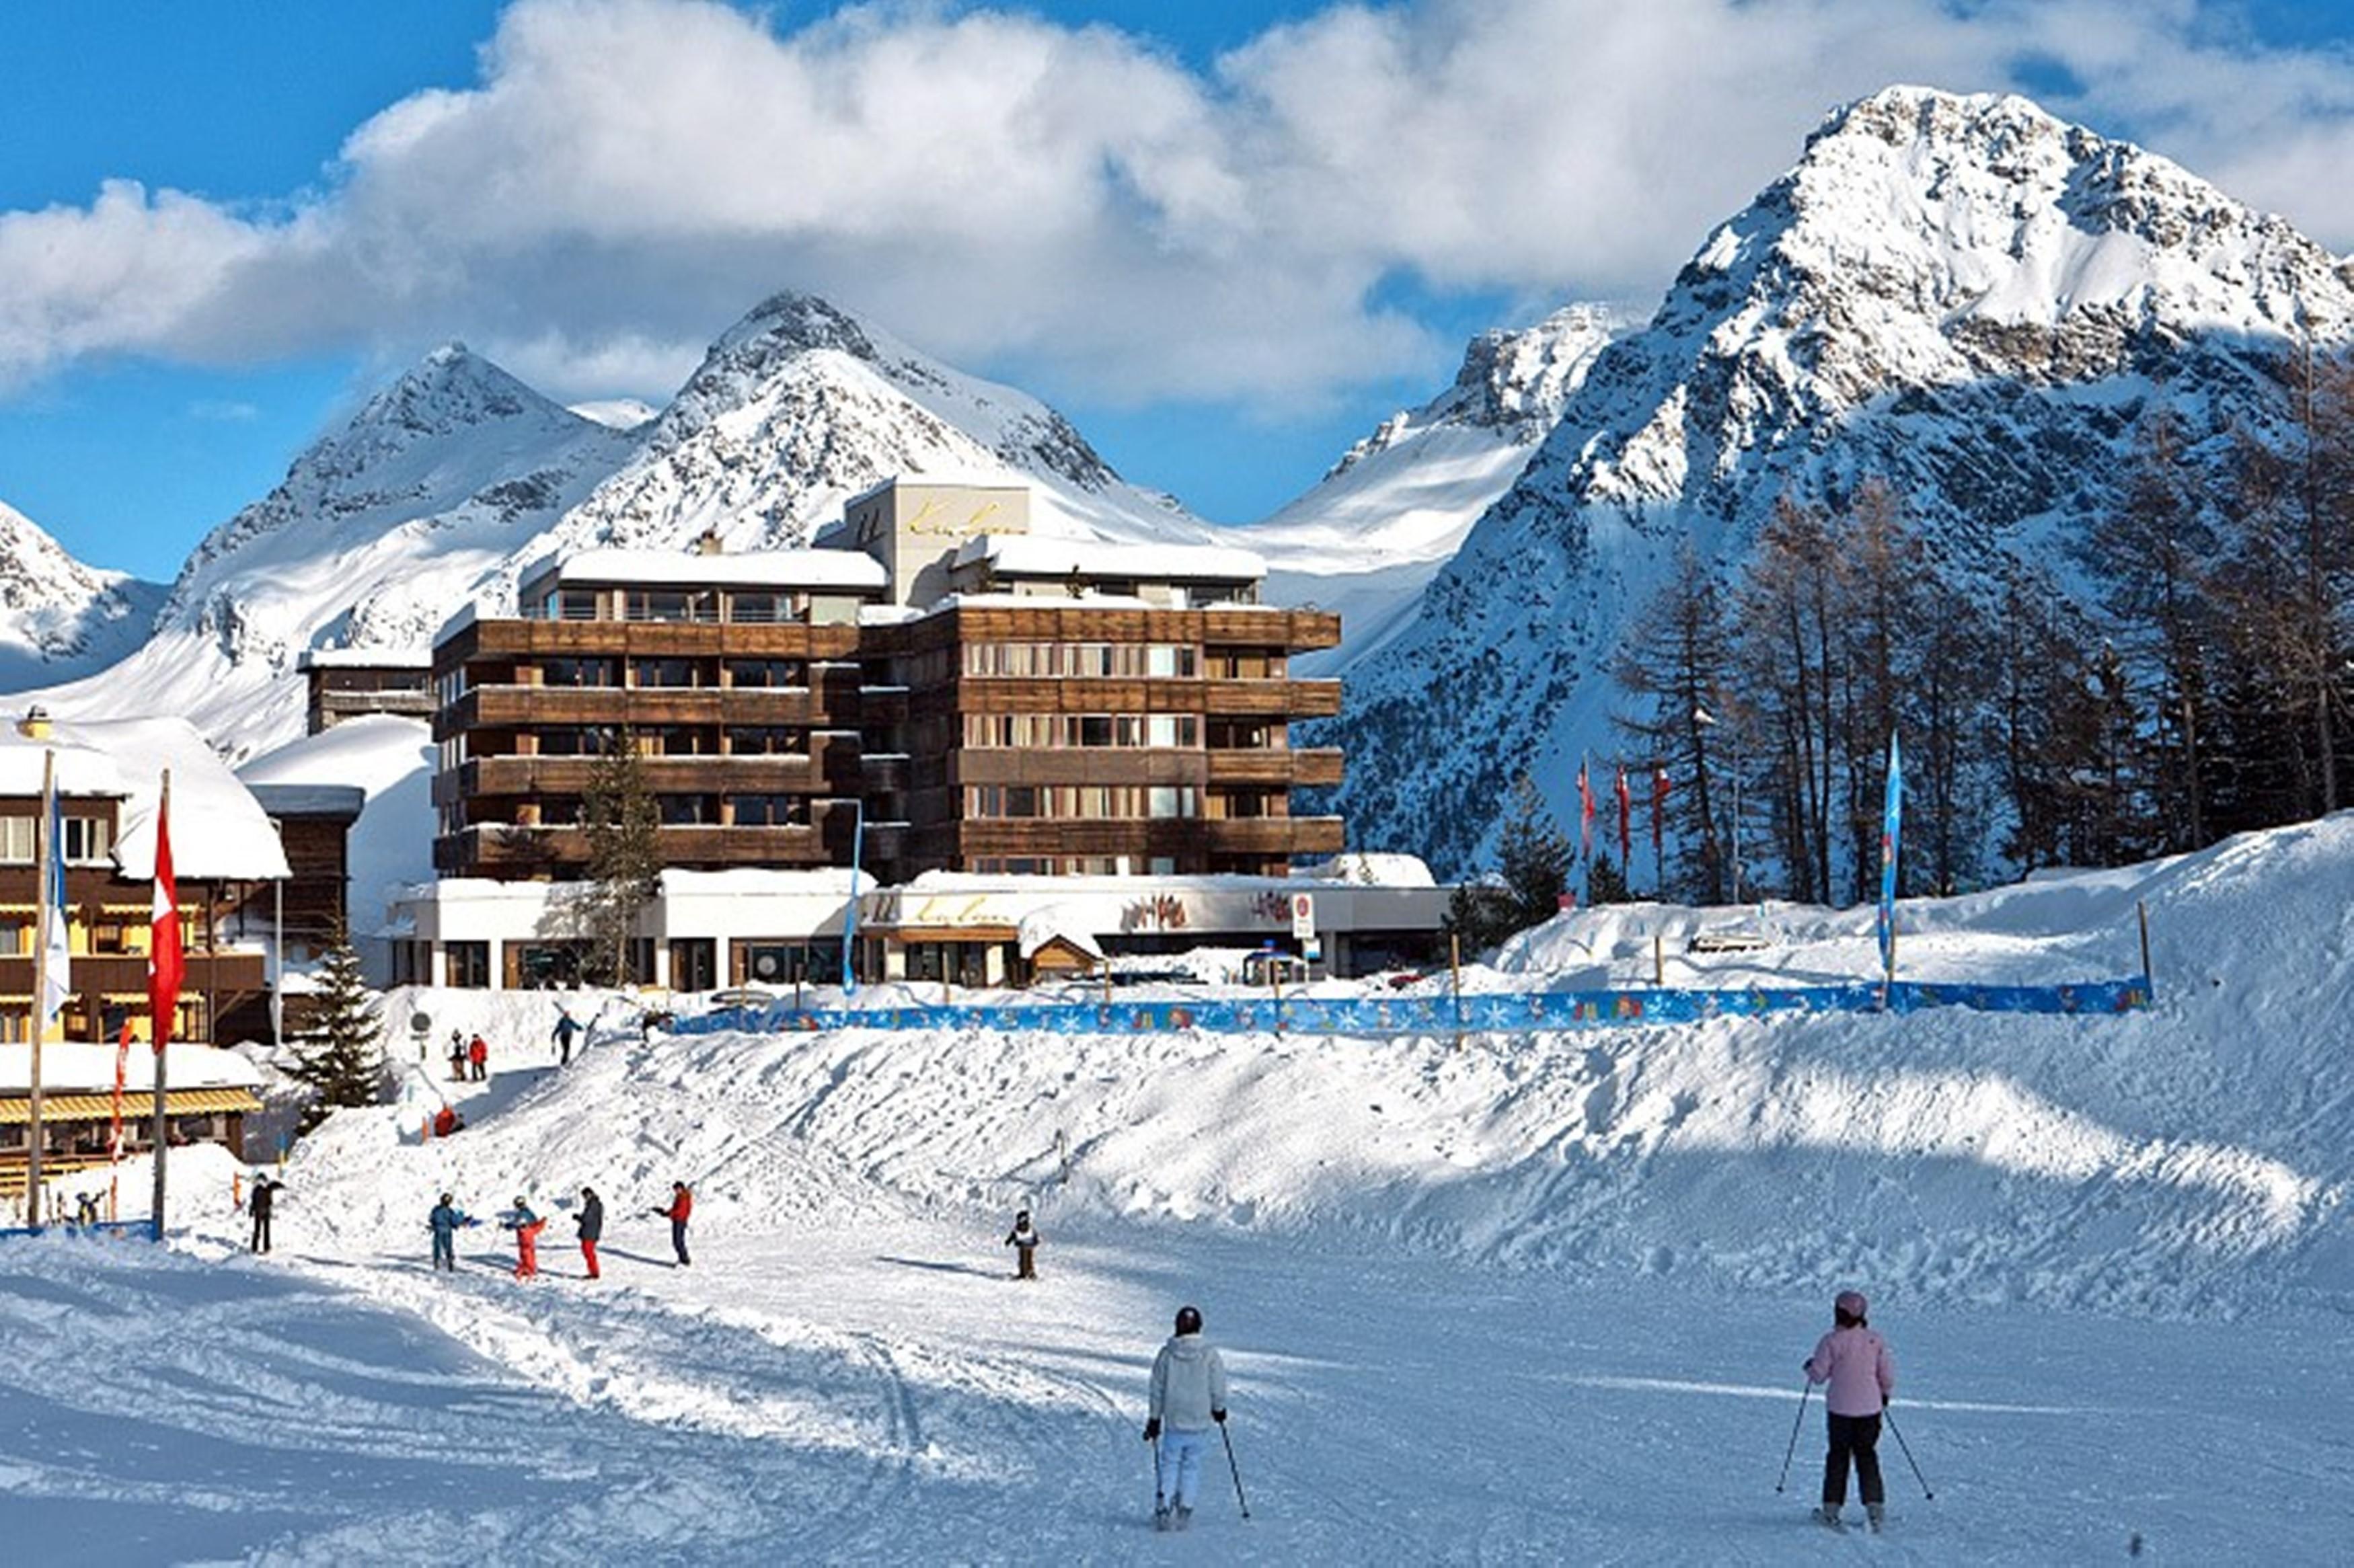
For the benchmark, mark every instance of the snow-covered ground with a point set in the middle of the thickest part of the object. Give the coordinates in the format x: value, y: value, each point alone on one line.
x: 1528, y: 1299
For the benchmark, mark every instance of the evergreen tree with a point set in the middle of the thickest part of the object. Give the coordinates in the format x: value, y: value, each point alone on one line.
x: 622, y: 825
x: 1675, y: 666
x: 341, y: 1054
x: 1534, y: 861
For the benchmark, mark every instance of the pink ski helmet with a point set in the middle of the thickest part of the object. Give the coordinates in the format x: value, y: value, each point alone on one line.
x: 1850, y: 1302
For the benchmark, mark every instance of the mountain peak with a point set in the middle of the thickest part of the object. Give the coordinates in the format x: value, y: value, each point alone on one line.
x: 449, y: 389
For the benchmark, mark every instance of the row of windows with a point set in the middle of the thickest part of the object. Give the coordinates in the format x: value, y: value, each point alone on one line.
x: 1065, y: 730
x: 1072, y: 866
x: 766, y: 674
x: 745, y: 606
x: 87, y: 839
x: 1070, y: 801
x: 1083, y: 660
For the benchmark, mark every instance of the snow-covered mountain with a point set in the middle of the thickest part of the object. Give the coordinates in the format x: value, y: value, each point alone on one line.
x: 801, y: 406
x: 59, y: 618
x: 446, y: 485
x: 1962, y: 295
x: 1374, y: 530
x: 377, y: 532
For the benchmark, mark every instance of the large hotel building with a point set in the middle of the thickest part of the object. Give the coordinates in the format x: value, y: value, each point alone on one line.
x: 947, y: 694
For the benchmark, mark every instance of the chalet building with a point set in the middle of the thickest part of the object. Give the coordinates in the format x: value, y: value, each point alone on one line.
x: 345, y: 682
x: 108, y: 776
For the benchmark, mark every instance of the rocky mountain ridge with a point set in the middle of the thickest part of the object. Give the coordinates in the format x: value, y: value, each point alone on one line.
x: 1961, y: 295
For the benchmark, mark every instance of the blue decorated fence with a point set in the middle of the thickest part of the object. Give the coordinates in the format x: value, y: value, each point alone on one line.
x: 1483, y: 1011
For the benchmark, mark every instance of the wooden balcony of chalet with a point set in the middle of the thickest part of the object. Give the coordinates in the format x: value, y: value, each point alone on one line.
x: 528, y: 640
x: 1276, y: 767
x: 500, y: 849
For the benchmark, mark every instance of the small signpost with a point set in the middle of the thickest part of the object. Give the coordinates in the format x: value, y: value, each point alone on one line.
x: 420, y: 1025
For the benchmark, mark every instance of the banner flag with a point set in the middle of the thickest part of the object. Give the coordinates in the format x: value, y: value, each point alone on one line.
x: 1585, y: 815
x: 1626, y: 823
x: 1892, y: 824
x: 165, y: 963
x: 56, y: 982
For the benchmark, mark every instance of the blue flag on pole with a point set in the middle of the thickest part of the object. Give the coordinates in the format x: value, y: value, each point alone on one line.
x: 57, y: 979
x: 1892, y: 824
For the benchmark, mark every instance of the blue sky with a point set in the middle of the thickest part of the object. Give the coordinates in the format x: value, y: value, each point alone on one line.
x: 1226, y: 238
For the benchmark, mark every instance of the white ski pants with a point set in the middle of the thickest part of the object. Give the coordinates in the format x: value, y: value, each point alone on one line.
x: 1177, y: 1465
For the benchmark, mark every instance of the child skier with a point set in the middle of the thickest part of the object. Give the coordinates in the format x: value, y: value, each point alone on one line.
x: 444, y: 1221
x: 1025, y: 1243
x: 1189, y: 1392
x: 1854, y: 1360
x: 526, y: 1226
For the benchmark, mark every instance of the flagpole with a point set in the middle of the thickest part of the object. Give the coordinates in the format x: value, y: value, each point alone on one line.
x: 159, y: 1028
x: 38, y: 1015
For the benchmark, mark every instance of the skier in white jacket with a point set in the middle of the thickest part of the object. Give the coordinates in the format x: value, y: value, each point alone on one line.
x: 1188, y: 1392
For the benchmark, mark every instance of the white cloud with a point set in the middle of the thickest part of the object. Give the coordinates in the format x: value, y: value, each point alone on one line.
x: 628, y: 176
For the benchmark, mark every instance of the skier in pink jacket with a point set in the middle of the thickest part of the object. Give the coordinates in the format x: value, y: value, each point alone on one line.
x: 1854, y: 1360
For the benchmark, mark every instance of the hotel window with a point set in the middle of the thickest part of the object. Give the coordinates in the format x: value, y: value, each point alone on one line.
x: 760, y: 606
x: 768, y: 810
x: 1170, y: 661
x: 767, y: 740
x: 670, y: 604
x: 687, y: 811
x: 469, y: 964
x: 677, y: 740
x: 579, y: 740
x: 579, y: 672
x: 665, y: 672
x: 88, y: 839
x: 767, y: 674
x: 572, y: 604
x: 17, y: 843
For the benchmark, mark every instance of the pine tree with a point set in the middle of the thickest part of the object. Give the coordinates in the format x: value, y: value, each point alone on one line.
x: 1534, y: 860
x: 622, y: 827
x: 341, y: 1054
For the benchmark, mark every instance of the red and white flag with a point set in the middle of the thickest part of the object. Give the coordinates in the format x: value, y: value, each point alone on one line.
x: 1585, y: 815
x: 1626, y: 822
x: 164, y: 962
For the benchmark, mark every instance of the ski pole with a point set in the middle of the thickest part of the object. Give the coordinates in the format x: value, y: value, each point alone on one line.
x: 1234, y: 1470
x: 1908, y: 1454
x: 1794, y: 1422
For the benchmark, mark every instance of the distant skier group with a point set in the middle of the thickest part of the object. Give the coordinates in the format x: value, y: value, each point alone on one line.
x: 526, y: 1223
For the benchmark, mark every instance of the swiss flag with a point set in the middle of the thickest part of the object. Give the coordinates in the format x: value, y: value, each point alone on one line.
x: 164, y: 962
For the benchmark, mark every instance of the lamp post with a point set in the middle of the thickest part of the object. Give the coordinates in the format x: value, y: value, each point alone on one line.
x: 1705, y: 717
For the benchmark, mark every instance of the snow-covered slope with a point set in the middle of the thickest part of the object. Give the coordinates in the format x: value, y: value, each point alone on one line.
x: 1393, y: 511
x: 802, y: 404
x: 59, y: 618
x: 1962, y: 295
x: 376, y: 535
x: 1478, y: 1303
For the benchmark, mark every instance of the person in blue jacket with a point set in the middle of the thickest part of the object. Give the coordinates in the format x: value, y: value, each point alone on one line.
x: 444, y: 1221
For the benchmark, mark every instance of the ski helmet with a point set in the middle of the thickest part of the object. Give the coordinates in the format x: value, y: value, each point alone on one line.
x: 1850, y: 1302
x: 1189, y: 1320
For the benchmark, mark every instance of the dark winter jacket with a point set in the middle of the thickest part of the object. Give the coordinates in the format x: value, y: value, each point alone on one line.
x: 1022, y: 1235
x: 445, y: 1220
x: 264, y: 1191
x: 592, y: 1218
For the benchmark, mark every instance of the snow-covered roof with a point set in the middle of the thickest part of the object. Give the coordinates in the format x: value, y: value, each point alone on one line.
x: 308, y: 799
x: 218, y: 830
x: 365, y: 659
x: 74, y: 1066
x: 81, y: 769
x: 851, y: 569
x: 945, y: 478
x: 1035, y: 555
x: 1040, y: 927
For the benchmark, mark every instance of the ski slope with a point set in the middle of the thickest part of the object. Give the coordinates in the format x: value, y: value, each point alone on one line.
x: 1533, y: 1299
